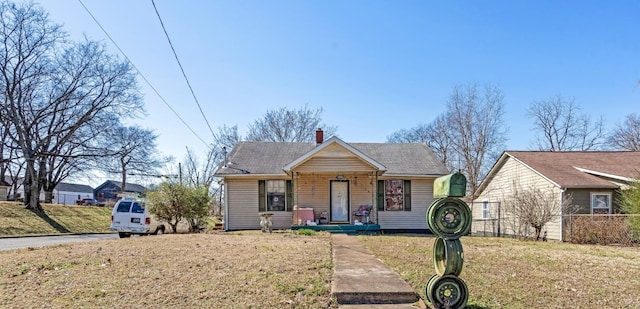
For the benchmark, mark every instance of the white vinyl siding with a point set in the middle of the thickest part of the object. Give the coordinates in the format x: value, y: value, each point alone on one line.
x: 312, y: 190
x: 334, y: 159
x: 242, y: 208
x: 507, y: 178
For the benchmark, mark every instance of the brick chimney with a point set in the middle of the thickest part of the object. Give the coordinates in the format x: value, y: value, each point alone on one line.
x: 319, y: 136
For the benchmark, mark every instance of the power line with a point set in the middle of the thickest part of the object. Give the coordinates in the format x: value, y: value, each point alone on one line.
x: 142, y: 75
x: 182, y: 69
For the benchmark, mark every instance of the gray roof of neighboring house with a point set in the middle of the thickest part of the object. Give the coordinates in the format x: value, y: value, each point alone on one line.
x: 129, y: 187
x: 72, y: 187
x: 270, y: 157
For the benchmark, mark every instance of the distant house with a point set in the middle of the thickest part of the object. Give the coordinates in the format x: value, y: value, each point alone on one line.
x: 69, y: 193
x: 109, y: 190
x: 15, y: 185
x: 64, y: 193
x: 338, y: 184
x: 4, y: 190
x: 592, y: 179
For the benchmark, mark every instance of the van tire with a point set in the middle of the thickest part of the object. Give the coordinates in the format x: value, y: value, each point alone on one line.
x: 159, y: 230
x: 124, y: 235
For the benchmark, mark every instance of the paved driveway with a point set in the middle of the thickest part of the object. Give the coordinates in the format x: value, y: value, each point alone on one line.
x: 42, y: 241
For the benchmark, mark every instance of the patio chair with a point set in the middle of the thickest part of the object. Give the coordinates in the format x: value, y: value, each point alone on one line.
x: 363, y: 212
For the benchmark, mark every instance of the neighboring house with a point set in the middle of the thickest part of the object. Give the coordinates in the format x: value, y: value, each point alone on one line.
x: 15, y: 185
x: 592, y: 179
x: 64, y: 193
x: 69, y: 193
x: 109, y: 190
x: 4, y: 190
x: 332, y: 177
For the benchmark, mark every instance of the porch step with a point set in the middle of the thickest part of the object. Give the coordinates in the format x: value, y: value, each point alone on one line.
x: 340, y: 228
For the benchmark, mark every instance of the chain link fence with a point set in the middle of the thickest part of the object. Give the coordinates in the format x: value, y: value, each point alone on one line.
x: 490, y: 220
x: 602, y: 229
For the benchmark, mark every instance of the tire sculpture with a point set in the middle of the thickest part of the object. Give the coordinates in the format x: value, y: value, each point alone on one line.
x: 449, y: 218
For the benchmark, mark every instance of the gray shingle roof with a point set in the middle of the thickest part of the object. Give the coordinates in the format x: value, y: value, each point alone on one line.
x: 130, y: 187
x: 271, y: 157
x: 72, y: 187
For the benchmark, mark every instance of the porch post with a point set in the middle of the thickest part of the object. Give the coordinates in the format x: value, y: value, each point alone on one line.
x: 374, y: 194
x: 295, y: 176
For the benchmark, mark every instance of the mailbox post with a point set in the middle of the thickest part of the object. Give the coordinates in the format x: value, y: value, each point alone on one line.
x: 449, y: 218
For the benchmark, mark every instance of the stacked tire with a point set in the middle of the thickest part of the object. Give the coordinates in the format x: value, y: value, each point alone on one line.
x: 448, y: 218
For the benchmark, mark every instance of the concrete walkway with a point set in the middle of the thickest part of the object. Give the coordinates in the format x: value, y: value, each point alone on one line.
x: 361, y: 280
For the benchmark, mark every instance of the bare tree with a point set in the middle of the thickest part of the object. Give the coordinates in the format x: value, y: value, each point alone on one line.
x: 535, y: 207
x: 200, y: 172
x: 133, y: 152
x: 437, y: 134
x: 413, y: 135
x: 474, y: 122
x: 227, y: 137
x: 285, y: 125
x: 469, y: 136
x: 51, y: 88
x: 561, y: 126
x: 626, y: 136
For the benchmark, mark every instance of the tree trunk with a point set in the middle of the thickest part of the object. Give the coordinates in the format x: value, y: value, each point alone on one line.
x: 174, y: 227
x: 538, y: 231
x: 34, y: 200
x: 124, y: 181
x: 48, y: 196
x: 31, y: 188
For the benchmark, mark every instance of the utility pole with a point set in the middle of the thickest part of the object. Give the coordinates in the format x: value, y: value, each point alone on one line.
x: 180, y: 172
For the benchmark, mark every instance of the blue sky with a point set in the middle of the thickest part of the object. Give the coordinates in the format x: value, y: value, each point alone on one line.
x: 375, y: 67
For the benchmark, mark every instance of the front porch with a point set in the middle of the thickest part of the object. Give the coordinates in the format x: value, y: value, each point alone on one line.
x: 340, y: 228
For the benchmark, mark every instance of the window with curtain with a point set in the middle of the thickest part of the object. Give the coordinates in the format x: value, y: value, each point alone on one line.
x: 276, y: 194
x: 394, y: 194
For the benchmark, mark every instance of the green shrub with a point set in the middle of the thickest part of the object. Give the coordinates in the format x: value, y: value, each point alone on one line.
x: 630, y: 204
x: 307, y: 232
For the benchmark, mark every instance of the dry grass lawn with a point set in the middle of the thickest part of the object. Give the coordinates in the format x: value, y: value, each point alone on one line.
x: 226, y: 270
x: 286, y: 270
x: 16, y: 220
x: 507, y: 273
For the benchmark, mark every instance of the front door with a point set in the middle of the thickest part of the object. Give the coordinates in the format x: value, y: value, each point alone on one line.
x: 339, y: 201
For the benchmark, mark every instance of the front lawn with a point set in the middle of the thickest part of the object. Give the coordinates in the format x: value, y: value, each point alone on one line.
x: 507, y: 273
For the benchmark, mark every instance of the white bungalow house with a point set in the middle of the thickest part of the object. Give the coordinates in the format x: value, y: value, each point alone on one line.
x: 331, y: 183
x: 592, y: 179
x: 64, y: 193
x: 69, y: 193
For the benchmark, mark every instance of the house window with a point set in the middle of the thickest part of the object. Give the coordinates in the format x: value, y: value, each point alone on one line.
x: 393, y: 194
x: 600, y: 202
x: 485, y: 210
x: 275, y: 195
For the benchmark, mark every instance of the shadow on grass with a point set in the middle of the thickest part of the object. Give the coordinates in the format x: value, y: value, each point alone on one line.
x: 430, y: 306
x: 51, y: 222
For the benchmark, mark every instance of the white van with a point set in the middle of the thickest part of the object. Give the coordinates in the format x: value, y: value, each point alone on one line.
x: 131, y: 217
